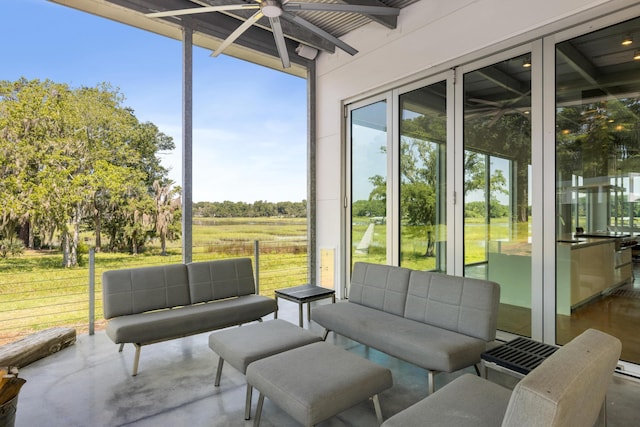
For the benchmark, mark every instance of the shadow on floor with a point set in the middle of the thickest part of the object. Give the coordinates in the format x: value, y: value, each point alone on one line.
x: 90, y: 384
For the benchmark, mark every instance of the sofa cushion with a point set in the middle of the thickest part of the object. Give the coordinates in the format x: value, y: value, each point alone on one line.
x: 212, y: 280
x: 177, y: 322
x: 136, y: 290
x: 423, y: 345
x: 468, y: 401
x: 379, y: 286
x: 459, y: 304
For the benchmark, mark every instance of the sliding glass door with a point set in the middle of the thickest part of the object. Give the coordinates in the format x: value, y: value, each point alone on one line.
x: 597, y: 143
x: 423, y: 144
x: 497, y: 184
x: 368, y: 182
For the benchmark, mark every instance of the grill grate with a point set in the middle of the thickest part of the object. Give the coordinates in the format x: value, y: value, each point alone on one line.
x: 521, y: 355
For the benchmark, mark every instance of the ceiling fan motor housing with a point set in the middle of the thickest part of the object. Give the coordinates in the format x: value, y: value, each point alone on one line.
x: 271, y: 8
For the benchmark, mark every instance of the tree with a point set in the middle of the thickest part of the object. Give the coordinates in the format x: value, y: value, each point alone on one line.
x: 74, y: 157
x: 168, y: 204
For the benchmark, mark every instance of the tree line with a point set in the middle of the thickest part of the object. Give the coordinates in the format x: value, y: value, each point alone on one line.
x: 259, y: 208
x: 76, y: 159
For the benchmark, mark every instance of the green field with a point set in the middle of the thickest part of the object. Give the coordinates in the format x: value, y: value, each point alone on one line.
x: 413, y: 242
x: 37, y: 293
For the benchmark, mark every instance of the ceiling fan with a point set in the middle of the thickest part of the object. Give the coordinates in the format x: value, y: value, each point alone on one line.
x: 274, y: 10
x: 499, y: 109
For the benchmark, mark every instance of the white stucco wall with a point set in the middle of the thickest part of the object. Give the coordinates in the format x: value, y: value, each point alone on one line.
x: 430, y: 34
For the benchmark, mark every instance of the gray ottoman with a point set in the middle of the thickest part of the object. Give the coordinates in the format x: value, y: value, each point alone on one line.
x: 243, y: 345
x: 317, y: 381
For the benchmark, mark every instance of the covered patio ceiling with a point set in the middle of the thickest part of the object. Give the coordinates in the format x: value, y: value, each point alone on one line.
x: 257, y: 43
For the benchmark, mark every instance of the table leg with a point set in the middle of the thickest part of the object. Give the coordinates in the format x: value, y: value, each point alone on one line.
x: 309, y: 313
x: 300, y: 314
x: 275, y: 313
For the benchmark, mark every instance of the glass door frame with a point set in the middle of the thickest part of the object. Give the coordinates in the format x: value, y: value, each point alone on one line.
x: 549, y: 147
x: 537, y: 156
x: 347, y: 196
x: 449, y: 77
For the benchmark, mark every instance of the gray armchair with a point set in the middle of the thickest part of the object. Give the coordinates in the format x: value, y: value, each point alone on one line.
x: 566, y: 389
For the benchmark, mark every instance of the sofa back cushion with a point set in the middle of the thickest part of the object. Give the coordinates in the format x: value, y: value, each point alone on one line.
x: 382, y: 287
x: 568, y: 388
x: 224, y: 278
x: 459, y: 304
x: 136, y: 290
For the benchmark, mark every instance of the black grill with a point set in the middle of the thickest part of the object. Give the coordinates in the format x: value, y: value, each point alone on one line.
x: 521, y: 355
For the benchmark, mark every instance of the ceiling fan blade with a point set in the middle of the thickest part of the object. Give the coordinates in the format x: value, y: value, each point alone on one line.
x: 205, y: 9
x: 352, y: 8
x: 485, y: 102
x: 238, y: 32
x: 319, y: 32
x: 278, y: 35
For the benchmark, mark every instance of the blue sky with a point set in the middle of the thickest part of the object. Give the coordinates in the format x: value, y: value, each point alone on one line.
x: 249, y: 122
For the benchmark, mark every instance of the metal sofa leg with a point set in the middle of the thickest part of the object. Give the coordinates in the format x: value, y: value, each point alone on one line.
x: 325, y: 334
x: 136, y: 359
x: 219, y: 371
x: 247, y: 405
x: 376, y: 405
x: 256, y: 420
x: 432, y: 385
x: 121, y: 347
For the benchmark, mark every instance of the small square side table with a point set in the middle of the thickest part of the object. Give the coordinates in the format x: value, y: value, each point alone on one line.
x: 304, y: 294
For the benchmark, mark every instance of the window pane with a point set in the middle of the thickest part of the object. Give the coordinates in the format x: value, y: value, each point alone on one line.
x: 369, y: 183
x: 497, y: 172
x: 597, y: 170
x: 423, y: 138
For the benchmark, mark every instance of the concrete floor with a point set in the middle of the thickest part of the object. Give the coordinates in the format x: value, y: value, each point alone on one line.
x: 89, y: 384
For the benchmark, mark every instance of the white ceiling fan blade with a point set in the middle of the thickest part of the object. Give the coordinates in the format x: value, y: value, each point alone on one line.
x: 238, y: 32
x: 320, y: 32
x: 352, y: 8
x: 280, y: 43
x: 206, y: 9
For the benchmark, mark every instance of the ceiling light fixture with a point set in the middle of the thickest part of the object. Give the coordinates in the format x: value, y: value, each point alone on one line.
x: 636, y: 55
x: 627, y: 40
x: 307, y: 52
x: 526, y: 63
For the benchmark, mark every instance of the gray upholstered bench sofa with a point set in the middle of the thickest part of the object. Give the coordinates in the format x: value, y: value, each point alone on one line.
x: 146, y: 305
x: 439, y: 322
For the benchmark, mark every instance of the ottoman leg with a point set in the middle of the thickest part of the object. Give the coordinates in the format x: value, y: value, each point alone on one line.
x: 376, y: 405
x: 219, y: 372
x: 247, y: 406
x: 256, y: 420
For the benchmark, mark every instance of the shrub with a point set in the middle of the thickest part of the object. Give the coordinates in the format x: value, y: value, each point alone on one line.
x: 9, y: 247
